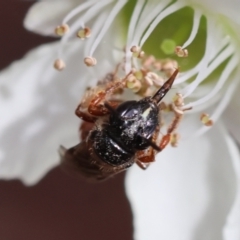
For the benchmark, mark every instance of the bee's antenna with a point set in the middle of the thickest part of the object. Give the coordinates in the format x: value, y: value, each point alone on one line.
x: 165, y: 87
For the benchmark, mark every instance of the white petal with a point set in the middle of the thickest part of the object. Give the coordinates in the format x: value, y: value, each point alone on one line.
x: 228, y: 8
x: 187, y: 193
x: 37, y: 109
x: 231, y: 229
x: 43, y: 17
x: 231, y: 116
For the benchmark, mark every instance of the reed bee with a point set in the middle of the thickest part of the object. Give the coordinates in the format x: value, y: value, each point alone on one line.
x: 115, y: 135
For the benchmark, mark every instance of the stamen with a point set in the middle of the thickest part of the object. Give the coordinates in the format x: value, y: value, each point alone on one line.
x: 223, y: 78
x: 225, y: 100
x: 171, y: 9
x: 59, y: 64
x: 90, y: 61
x: 168, y: 67
x: 84, y: 33
x: 153, y: 78
x: 116, y: 9
x: 150, y: 12
x: 205, y: 119
x: 174, y: 139
x: 137, y: 74
x: 222, y: 105
x: 181, y: 52
x: 206, y: 72
x: 61, y: 30
x: 188, y: 74
x: 131, y: 29
x: 178, y: 100
x: 87, y: 16
x: 196, y: 22
x: 78, y: 9
x: 137, y: 52
x: 203, y: 66
x: 96, y: 28
x: 133, y: 84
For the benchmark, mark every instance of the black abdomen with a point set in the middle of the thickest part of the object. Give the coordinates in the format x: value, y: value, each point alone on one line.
x: 109, y: 148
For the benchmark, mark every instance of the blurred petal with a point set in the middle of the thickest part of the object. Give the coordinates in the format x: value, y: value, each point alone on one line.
x: 231, y: 229
x: 43, y: 17
x: 38, y: 105
x: 231, y: 116
x: 228, y: 8
x: 188, y: 192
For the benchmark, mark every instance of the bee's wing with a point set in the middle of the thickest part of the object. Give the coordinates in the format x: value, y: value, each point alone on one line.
x: 78, y: 161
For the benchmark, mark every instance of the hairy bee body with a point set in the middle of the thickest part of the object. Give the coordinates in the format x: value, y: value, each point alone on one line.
x: 117, y: 136
x: 111, y: 145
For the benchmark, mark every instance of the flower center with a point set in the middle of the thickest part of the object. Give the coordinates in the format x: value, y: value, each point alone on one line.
x: 208, y: 75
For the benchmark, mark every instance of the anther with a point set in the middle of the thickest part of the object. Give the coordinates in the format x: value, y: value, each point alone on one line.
x: 137, y: 52
x: 205, y: 119
x: 181, y: 52
x: 59, y: 64
x: 168, y: 67
x: 163, y: 106
x: 174, y: 139
x: 178, y: 100
x: 133, y: 84
x: 61, y: 30
x: 154, y: 79
x: 149, y: 61
x: 84, y: 33
x: 177, y: 110
x: 90, y: 61
x: 138, y: 74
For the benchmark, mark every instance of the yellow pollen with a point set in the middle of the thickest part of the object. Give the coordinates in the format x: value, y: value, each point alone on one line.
x: 168, y: 67
x: 154, y: 79
x: 137, y: 52
x: 61, y: 30
x: 133, y: 84
x: 178, y: 100
x: 149, y: 61
x: 181, y: 52
x: 138, y: 75
x: 84, y: 33
x: 59, y: 64
x: 90, y: 61
x: 174, y: 139
x: 205, y: 119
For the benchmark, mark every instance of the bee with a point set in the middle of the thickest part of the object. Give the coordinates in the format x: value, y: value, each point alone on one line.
x: 115, y: 135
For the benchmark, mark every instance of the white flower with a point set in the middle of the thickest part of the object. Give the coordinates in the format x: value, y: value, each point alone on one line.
x: 191, y: 192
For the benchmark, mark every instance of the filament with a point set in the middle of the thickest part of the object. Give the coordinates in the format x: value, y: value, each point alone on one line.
x: 132, y: 26
x: 107, y: 24
x: 173, y: 8
x: 77, y: 10
x: 87, y: 16
x: 196, y: 22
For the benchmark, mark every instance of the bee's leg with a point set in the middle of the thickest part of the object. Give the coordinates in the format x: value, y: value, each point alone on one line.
x: 84, y: 116
x: 96, y: 106
x: 110, y: 77
x: 145, y: 157
x: 172, y: 127
x: 142, y: 165
x: 84, y: 129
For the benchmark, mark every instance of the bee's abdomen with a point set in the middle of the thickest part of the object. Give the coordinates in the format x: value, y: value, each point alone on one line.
x: 109, y: 149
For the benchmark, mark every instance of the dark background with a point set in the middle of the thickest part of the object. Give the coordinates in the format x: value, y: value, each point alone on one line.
x: 58, y: 207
